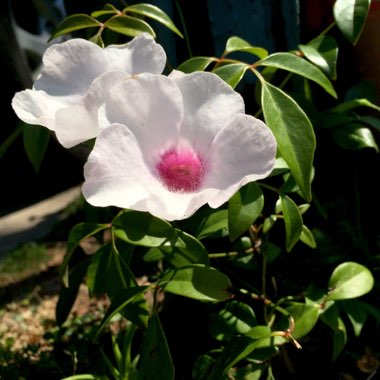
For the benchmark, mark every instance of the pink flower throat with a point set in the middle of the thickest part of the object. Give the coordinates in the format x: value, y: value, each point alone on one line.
x: 181, y: 171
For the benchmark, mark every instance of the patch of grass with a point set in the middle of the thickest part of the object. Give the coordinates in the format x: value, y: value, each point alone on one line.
x: 23, y: 262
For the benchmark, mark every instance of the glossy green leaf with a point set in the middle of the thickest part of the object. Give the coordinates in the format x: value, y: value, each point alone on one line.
x: 357, y: 314
x: 340, y: 339
x: 238, y: 348
x: 68, y: 295
x: 323, y: 52
x: 294, y: 134
x: 108, y: 273
x: 209, y: 223
x: 354, y: 136
x: 370, y: 121
x: 156, y: 362
x: 155, y: 13
x: 300, y: 66
x: 196, y: 64
x: 253, y: 371
x: 141, y: 228
x: 129, y: 26
x: 307, y: 237
x: 198, y: 282
x: 232, y: 73
x: 78, y: 233
x: 97, y: 39
x: 293, y: 221
x: 238, y: 44
x: 86, y: 377
x: 305, y: 317
x: 73, y: 23
x: 184, y: 250
x: 350, y: 16
x: 107, y: 10
x: 269, y: 223
x: 235, y: 318
x: 36, y: 140
x: 330, y: 316
x: 124, y: 298
x: 280, y: 167
x: 202, y: 366
x: 244, y: 208
x: 354, y: 104
x: 349, y: 280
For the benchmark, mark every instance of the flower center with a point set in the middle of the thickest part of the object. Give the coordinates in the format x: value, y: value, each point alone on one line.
x: 180, y: 171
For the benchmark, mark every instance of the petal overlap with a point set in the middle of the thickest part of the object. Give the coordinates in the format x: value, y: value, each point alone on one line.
x: 68, y: 74
x: 176, y: 122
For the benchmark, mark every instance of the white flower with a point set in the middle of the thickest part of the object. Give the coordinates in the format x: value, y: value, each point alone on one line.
x: 174, y: 144
x: 65, y: 97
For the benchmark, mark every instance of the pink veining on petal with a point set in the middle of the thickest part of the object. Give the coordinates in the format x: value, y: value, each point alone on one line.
x: 181, y: 171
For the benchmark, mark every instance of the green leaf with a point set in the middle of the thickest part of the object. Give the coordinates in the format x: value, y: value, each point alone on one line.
x: 78, y: 233
x: 307, y: 237
x: 209, y: 223
x: 124, y: 298
x: 97, y: 39
x: 5, y: 145
x: 340, y: 339
x: 108, y: 9
x: 370, y: 121
x: 67, y: 296
x: 238, y: 348
x: 156, y: 362
x: 36, y: 140
x: 305, y: 317
x: 155, y: 13
x: 86, y: 377
x: 196, y: 64
x: 244, y: 208
x: 354, y: 136
x: 280, y: 167
x: 108, y: 273
x: 232, y: 73
x: 269, y: 223
x: 235, y: 318
x: 141, y: 228
x: 293, y: 221
x: 198, y: 282
x: 185, y: 250
x: 323, y: 52
x: 294, y: 134
x: 73, y: 23
x: 300, y: 66
x: 330, y: 316
x: 202, y: 366
x: 353, y: 104
x: 357, y: 314
x: 129, y: 26
x: 349, y: 280
x: 350, y: 17
x: 238, y: 44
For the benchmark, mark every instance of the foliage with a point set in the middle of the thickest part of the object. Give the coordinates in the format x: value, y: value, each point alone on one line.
x: 268, y: 277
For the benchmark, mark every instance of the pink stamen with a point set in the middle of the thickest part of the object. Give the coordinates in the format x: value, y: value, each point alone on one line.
x: 181, y: 171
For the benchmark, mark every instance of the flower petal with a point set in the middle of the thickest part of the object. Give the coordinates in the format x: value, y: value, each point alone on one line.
x: 70, y: 67
x: 242, y: 152
x: 151, y: 107
x: 140, y: 55
x: 209, y: 105
x: 80, y: 122
x: 116, y: 174
x: 37, y: 107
